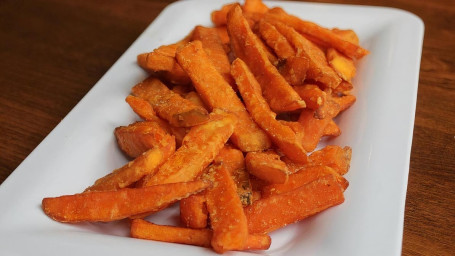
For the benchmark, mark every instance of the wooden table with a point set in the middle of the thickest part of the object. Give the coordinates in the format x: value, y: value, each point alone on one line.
x: 52, y: 52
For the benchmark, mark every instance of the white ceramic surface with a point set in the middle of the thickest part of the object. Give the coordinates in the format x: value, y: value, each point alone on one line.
x: 378, y: 127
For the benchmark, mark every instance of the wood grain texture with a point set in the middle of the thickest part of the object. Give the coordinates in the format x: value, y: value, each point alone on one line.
x: 52, y: 52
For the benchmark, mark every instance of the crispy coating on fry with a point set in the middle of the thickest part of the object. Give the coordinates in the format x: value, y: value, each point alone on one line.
x: 217, y: 93
x: 247, y: 46
x: 199, y: 147
x: 119, y: 204
x: 283, y: 136
x: 169, y: 105
x: 267, y: 166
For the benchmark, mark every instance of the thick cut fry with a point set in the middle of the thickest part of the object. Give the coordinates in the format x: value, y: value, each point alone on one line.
x: 312, y: 95
x: 199, y: 147
x: 217, y: 93
x: 193, y: 211
x: 224, y: 36
x: 213, y: 46
x: 200, y: 237
x: 228, y: 221
x: 283, y: 136
x: 333, y: 156
x: 275, y: 40
x: 329, y: 109
x: 234, y: 162
x: 139, y: 137
x: 143, y: 165
x: 115, y: 205
x: 141, y: 107
x: 305, y: 175
x: 294, y: 70
x: 322, y: 35
x: 343, y: 65
x: 319, y: 69
x: 273, y: 212
x: 247, y: 46
x: 162, y: 64
x: 169, y: 105
x: 144, y: 110
x: 267, y: 166
x: 347, y: 34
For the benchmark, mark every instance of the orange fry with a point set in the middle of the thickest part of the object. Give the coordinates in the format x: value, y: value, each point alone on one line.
x: 313, y: 129
x: 331, y: 129
x: 344, y: 66
x: 169, y: 105
x: 313, y: 96
x: 199, y: 147
x: 234, y: 162
x: 275, y: 40
x: 196, y: 99
x: 200, y: 237
x: 228, y: 221
x: 193, y: 211
x: 283, y: 136
x: 219, y: 16
x: 217, y: 93
x: 247, y: 46
x: 115, y: 205
x: 273, y: 212
x: 294, y: 70
x: 143, y: 165
x: 255, y: 6
x: 304, y: 175
x: 267, y: 166
x: 319, y: 69
x: 333, y: 156
x: 344, y: 102
x: 213, y: 46
x: 141, y: 107
x: 139, y: 137
x: 322, y: 35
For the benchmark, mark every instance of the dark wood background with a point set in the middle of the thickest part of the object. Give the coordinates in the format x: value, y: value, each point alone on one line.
x: 52, y: 52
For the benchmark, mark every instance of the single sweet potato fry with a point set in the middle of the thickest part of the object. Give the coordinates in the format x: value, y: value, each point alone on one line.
x: 267, y: 166
x: 344, y: 88
x: 146, y: 230
x: 199, y: 147
x: 283, y: 136
x: 169, y: 105
x: 139, y: 137
x: 305, y: 175
x: 228, y: 221
x: 294, y: 70
x: 319, y: 69
x: 273, y: 212
x: 145, y: 164
x: 312, y: 95
x: 115, y: 205
x: 342, y: 65
x: 333, y: 156
x: 247, y: 46
x: 313, y: 128
x: 213, y: 46
x: 217, y: 93
x: 347, y: 34
x: 234, y: 162
x: 141, y: 107
x: 275, y: 40
x: 322, y: 35
x: 200, y: 237
x: 193, y: 211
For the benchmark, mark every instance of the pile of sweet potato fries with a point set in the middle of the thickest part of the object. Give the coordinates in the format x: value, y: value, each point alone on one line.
x: 232, y: 115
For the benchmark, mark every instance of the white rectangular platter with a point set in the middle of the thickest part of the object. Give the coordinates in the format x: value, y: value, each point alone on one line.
x: 378, y: 127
